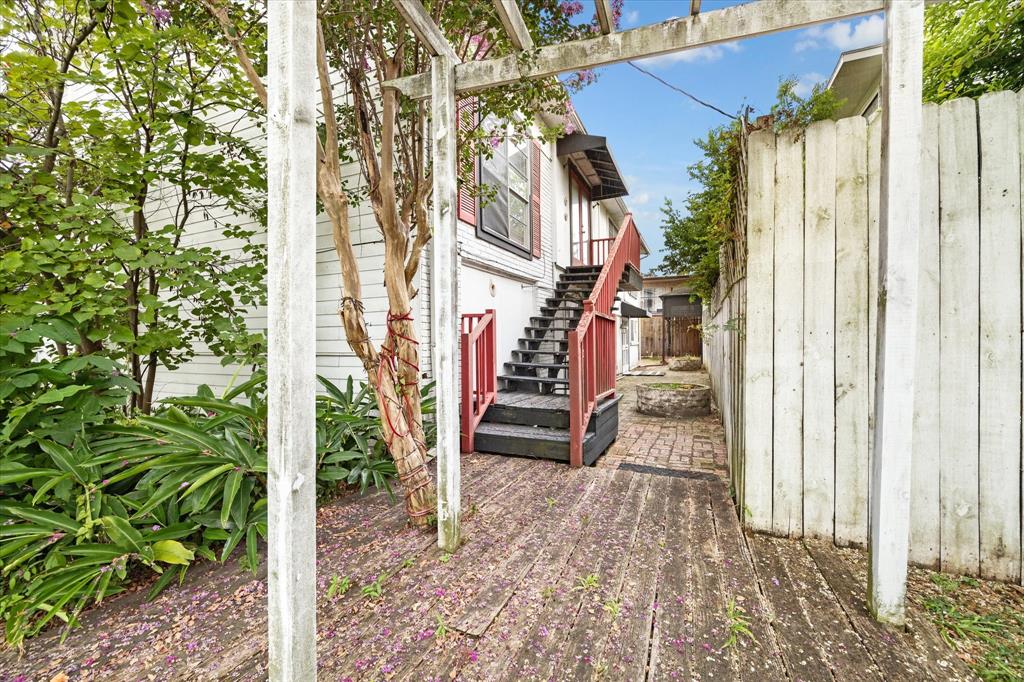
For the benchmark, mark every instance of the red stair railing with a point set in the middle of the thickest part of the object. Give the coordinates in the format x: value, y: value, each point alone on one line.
x: 479, y: 372
x: 592, y: 343
x: 599, y: 249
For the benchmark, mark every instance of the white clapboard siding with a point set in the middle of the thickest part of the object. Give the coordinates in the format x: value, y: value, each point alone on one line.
x: 958, y: 324
x: 852, y: 379
x: 758, y: 388
x: 925, y: 519
x: 999, y: 427
x: 819, y: 326
x: 809, y: 314
x: 787, y: 434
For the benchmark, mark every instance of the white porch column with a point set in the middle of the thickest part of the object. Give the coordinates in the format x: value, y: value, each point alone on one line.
x: 444, y: 298
x: 291, y: 356
x: 900, y: 217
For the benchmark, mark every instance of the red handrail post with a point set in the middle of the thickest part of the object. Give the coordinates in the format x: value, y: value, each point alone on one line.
x: 479, y: 372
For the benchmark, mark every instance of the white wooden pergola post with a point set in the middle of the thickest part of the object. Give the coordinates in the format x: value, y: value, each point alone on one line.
x: 291, y: 334
x: 899, y: 226
x: 444, y: 275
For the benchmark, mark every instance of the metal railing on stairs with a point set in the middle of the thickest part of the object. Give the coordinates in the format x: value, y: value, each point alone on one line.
x: 479, y: 372
x: 592, y: 343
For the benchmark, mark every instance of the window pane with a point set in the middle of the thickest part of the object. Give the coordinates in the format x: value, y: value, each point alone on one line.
x: 518, y: 183
x: 495, y: 212
x: 518, y: 209
x: 519, y: 233
x: 518, y: 158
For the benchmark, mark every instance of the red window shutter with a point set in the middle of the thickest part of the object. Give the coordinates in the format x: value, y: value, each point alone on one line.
x: 467, y: 186
x: 535, y: 196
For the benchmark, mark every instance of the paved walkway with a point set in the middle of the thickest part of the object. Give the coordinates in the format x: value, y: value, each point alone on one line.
x: 680, y: 444
x: 565, y: 574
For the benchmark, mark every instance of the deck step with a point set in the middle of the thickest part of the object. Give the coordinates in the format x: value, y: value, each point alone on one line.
x: 552, y: 381
x: 538, y: 365
x: 563, y: 343
x: 521, y: 352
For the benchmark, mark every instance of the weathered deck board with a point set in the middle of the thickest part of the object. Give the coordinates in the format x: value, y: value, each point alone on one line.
x: 668, y: 550
x: 626, y: 641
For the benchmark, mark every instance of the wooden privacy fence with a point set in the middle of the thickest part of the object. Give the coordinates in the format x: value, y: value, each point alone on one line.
x: 805, y: 365
x: 676, y: 336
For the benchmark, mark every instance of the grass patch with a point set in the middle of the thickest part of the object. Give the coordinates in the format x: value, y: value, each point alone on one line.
x: 982, y: 621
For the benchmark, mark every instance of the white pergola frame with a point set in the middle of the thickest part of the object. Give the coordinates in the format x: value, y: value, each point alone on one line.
x: 291, y: 243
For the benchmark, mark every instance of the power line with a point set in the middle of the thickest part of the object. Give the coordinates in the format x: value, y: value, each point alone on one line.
x: 681, y: 91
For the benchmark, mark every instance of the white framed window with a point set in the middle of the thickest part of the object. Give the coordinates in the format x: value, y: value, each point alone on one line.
x: 505, y: 213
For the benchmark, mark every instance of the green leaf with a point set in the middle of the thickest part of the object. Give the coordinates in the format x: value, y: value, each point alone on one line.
x: 49, y: 519
x: 234, y: 481
x: 123, y: 534
x: 63, y: 458
x: 172, y: 552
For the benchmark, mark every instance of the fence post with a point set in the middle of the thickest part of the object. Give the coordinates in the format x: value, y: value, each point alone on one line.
x: 899, y: 226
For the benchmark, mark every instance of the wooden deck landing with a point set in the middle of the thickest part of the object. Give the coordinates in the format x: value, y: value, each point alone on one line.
x: 565, y: 575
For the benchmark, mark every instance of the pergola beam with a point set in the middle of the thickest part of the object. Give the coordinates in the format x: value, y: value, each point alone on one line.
x: 604, y: 16
x: 709, y: 28
x: 515, y: 27
x: 694, y: 7
x: 898, y: 237
x: 422, y: 24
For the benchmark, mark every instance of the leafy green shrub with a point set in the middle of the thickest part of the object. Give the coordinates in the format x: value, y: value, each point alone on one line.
x: 86, y: 502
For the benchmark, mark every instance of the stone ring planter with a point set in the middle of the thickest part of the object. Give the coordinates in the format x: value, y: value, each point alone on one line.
x: 686, y: 363
x: 673, y: 400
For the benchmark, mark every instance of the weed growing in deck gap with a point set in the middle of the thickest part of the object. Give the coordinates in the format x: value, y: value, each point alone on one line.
x: 338, y: 586
x: 739, y: 624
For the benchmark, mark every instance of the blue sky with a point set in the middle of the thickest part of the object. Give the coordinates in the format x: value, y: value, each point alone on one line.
x: 651, y: 128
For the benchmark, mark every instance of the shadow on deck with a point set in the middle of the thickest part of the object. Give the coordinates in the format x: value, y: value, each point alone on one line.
x: 566, y: 574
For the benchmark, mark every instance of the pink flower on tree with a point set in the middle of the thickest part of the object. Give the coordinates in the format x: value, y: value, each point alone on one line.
x: 161, y: 16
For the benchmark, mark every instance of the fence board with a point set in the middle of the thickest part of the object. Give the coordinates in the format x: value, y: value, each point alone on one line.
x: 852, y: 382
x: 758, y: 386
x: 819, y: 330
x: 924, y: 476
x: 999, y: 426
x: 958, y: 178
x: 966, y: 507
x: 787, y: 434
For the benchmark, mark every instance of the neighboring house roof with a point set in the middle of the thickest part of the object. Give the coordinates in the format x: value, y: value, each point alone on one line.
x: 856, y: 79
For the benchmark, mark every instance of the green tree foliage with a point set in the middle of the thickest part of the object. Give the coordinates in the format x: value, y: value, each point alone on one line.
x: 695, y: 232
x: 111, y: 148
x: 973, y: 47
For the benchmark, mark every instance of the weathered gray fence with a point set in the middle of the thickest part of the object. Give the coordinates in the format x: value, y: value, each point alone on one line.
x: 803, y: 362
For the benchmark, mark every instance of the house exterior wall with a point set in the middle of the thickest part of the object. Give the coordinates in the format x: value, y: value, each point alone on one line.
x: 489, y: 277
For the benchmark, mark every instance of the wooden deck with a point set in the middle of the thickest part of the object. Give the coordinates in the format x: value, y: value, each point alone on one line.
x: 565, y: 575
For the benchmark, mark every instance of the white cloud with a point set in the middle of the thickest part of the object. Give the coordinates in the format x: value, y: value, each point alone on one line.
x: 843, y: 35
x: 806, y: 82
x: 640, y: 199
x: 631, y: 17
x: 711, y: 53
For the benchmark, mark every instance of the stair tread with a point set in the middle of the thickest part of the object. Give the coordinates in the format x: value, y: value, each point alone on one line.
x: 564, y: 342
x: 539, y: 380
x: 547, y: 433
x: 540, y: 365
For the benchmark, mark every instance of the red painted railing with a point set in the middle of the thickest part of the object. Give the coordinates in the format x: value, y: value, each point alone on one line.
x: 479, y: 372
x: 592, y: 343
x: 599, y: 250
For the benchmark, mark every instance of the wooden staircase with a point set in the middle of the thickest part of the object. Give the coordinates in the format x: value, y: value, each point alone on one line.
x: 557, y: 398
x: 530, y: 416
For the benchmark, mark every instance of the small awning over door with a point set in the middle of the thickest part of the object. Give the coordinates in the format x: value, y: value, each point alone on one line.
x: 591, y: 155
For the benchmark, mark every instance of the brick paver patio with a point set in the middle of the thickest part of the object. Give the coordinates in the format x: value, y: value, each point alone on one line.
x: 697, y: 443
